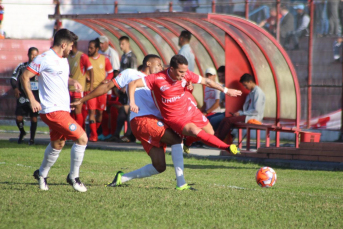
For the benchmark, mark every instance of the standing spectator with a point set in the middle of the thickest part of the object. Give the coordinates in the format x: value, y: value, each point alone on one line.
x: 189, y: 5
x: 113, y: 56
x: 303, y: 20
x: 53, y: 70
x: 286, y: 24
x: 109, y: 52
x: 102, y: 70
x: 337, y: 44
x: 23, y: 104
x: 211, y: 98
x: 79, y: 65
x: 128, y: 59
x: 332, y: 9
x: 270, y: 23
x: 321, y: 21
x: 1, y: 18
x: 186, y: 49
x: 253, y: 108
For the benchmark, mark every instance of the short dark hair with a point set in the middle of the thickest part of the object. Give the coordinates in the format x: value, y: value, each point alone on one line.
x: 186, y: 34
x: 64, y: 35
x: 31, y: 50
x: 176, y: 60
x: 247, y: 78
x: 221, y: 69
x: 122, y: 38
x: 96, y: 42
x: 149, y: 57
x: 284, y: 7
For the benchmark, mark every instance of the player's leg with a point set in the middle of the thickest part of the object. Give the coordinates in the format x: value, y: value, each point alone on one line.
x: 33, y: 128
x: 20, y: 112
x: 20, y: 123
x: 78, y: 113
x: 171, y: 138
x: 92, y: 104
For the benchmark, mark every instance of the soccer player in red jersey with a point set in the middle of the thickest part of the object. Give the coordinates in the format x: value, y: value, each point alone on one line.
x: 178, y: 110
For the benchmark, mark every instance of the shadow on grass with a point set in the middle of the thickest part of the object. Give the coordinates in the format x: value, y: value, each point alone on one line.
x: 190, y: 166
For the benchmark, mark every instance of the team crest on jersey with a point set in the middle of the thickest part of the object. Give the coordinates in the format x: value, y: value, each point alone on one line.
x: 204, y: 118
x: 160, y: 78
x: 164, y: 87
x: 159, y: 123
x: 75, y: 64
x: 21, y: 100
x: 189, y: 108
x: 101, y: 66
x: 183, y: 84
x: 72, y: 127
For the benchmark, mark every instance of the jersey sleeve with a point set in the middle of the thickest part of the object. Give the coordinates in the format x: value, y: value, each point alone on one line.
x: 85, y: 63
x: 36, y: 66
x: 108, y: 66
x: 122, y: 79
x: 149, y: 81
x: 192, y: 77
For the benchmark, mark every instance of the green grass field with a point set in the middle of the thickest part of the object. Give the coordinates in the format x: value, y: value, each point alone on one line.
x: 26, y: 127
x: 227, y: 195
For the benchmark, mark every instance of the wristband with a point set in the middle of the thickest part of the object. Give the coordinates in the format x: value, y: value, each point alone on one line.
x: 226, y: 90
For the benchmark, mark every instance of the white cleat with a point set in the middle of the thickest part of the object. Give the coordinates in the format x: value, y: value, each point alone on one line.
x: 77, y: 184
x: 43, y: 185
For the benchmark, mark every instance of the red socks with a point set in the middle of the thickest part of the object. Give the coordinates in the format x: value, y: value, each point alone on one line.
x: 104, y: 124
x: 93, y: 128
x: 212, y: 140
x: 79, y: 119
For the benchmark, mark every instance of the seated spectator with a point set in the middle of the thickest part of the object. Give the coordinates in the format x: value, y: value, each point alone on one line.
x: 253, y: 108
x: 337, y: 48
x: 216, y: 118
x: 302, y: 22
x: 270, y: 23
x: 211, y: 98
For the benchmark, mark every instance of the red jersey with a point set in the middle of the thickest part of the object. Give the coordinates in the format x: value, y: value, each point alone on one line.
x: 169, y: 95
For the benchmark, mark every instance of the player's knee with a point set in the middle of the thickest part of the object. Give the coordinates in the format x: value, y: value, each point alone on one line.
x: 160, y: 167
x: 82, y: 140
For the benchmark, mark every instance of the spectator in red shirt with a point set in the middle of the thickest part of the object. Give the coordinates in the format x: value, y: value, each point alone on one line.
x: 1, y: 18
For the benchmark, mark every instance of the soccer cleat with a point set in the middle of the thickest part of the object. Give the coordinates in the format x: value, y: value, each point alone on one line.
x: 101, y: 137
x: 93, y: 139
x: 43, y: 185
x: 116, y: 181
x: 107, y: 137
x: 186, y: 149
x: 77, y: 184
x: 21, y: 136
x: 233, y: 149
x: 185, y: 187
x: 31, y: 142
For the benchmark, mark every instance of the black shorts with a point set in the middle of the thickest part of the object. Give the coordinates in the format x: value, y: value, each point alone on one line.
x: 24, y: 109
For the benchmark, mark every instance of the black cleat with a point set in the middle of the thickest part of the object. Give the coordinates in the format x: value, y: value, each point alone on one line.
x: 21, y: 136
x: 43, y: 184
x: 77, y: 184
x: 31, y: 142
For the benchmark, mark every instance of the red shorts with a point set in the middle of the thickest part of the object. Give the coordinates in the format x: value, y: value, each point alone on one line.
x: 149, y: 130
x: 62, y: 126
x: 98, y: 103
x: 75, y: 95
x: 193, y: 116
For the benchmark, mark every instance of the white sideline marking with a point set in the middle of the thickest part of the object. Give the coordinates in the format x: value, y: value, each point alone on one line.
x: 230, y: 186
x: 2, y: 163
x: 24, y: 165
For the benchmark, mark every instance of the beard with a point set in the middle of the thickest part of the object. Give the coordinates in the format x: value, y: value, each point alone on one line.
x: 66, y: 53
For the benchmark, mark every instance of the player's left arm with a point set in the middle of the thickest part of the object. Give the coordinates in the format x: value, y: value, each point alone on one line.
x: 132, y: 88
x: 228, y: 91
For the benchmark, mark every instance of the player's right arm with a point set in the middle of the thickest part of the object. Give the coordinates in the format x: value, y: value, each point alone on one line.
x: 25, y: 81
x: 132, y: 88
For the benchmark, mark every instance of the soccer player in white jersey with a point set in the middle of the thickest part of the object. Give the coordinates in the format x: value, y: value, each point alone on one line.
x: 52, y: 69
x: 148, y: 126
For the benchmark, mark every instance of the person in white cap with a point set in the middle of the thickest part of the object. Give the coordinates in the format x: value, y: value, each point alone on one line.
x: 109, y: 52
x: 303, y: 20
x: 212, y: 96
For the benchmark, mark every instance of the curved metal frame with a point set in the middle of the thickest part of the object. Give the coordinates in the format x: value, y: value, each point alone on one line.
x: 145, y: 34
x: 176, y: 33
x: 196, y: 34
x: 284, y: 54
x: 276, y: 83
x: 129, y: 33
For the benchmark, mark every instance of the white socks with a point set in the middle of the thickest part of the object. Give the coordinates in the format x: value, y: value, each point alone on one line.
x: 50, y: 157
x: 177, y: 157
x: 145, y: 171
x: 76, y: 157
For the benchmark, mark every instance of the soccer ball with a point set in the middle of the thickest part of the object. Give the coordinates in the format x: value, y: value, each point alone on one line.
x: 266, y: 177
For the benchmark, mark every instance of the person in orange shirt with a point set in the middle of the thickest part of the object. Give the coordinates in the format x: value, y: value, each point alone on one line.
x: 103, y: 71
x: 79, y: 64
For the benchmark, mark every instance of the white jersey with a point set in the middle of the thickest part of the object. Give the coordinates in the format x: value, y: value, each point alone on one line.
x: 211, y: 95
x: 113, y: 56
x: 53, y: 76
x: 143, y: 96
